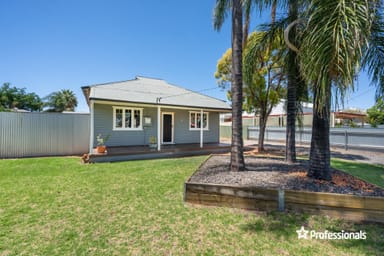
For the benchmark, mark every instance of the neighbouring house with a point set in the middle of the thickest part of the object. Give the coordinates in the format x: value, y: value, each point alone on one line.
x: 277, y: 117
x: 351, y: 118
x: 134, y: 112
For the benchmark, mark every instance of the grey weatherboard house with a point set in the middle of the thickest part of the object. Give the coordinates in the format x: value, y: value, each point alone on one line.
x: 133, y: 111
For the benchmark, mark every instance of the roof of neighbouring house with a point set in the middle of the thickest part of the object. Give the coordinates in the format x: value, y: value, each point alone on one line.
x: 151, y: 91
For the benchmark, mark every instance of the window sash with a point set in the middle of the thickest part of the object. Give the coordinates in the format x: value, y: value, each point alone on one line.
x: 127, y: 118
x: 118, y: 119
x: 195, y: 121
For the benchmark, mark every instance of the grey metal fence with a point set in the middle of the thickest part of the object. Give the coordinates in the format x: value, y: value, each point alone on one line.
x: 43, y: 134
x: 346, y: 137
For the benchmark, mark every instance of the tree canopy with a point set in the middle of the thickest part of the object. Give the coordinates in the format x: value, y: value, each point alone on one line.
x: 13, y: 97
x: 264, y: 78
x: 64, y: 100
x: 376, y: 113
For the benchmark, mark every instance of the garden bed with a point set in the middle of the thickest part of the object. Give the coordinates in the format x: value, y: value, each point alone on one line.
x: 271, y: 184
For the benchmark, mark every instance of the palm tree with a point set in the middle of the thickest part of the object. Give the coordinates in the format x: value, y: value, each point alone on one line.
x: 70, y: 100
x: 237, y: 156
x: 64, y: 100
x: 293, y: 80
x: 295, y: 86
x: 340, y: 36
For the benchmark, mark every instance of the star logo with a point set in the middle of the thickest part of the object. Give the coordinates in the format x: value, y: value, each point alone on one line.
x: 302, y: 233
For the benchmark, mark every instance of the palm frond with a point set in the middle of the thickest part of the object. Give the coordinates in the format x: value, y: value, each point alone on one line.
x: 270, y: 34
x: 273, y: 31
x: 373, y: 59
x: 333, y: 43
x: 263, y: 4
x: 220, y: 13
x: 252, y: 56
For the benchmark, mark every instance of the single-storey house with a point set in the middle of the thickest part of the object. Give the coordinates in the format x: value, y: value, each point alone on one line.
x: 134, y: 111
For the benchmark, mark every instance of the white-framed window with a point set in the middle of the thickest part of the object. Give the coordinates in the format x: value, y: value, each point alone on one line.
x: 125, y: 118
x: 195, y: 120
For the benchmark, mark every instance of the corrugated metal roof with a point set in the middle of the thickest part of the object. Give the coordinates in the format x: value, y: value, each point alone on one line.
x: 153, y: 91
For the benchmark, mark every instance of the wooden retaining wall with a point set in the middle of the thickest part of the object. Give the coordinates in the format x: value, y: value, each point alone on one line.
x: 349, y: 207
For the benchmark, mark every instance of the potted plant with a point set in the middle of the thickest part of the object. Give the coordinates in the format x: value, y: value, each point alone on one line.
x: 101, y: 148
x: 152, y: 143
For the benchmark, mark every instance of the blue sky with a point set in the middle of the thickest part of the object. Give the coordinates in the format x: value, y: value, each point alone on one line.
x: 49, y: 45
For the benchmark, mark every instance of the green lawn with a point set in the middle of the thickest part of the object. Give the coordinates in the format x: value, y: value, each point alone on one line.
x: 368, y: 172
x: 57, y: 206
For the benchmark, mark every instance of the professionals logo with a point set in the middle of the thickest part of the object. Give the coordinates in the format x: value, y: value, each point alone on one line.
x: 327, y: 235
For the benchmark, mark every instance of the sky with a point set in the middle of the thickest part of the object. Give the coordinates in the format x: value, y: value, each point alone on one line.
x: 49, y: 45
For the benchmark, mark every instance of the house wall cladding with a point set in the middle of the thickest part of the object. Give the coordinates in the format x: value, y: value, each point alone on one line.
x: 103, y: 116
x: 184, y: 135
x: 43, y: 134
x: 103, y: 124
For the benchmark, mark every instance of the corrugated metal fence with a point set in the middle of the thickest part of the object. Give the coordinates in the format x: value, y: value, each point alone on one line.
x: 346, y: 137
x: 43, y: 134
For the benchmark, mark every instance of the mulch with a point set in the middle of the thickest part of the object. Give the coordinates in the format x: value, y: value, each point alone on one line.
x: 273, y: 172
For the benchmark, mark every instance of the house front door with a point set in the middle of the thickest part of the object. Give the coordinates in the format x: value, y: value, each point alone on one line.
x: 167, y: 128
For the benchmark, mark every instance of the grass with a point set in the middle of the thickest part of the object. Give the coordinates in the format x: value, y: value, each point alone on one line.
x: 368, y: 172
x: 57, y: 206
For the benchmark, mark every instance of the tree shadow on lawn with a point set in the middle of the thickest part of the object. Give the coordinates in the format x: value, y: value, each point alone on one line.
x: 352, y: 157
x: 285, y: 225
x: 280, y: 224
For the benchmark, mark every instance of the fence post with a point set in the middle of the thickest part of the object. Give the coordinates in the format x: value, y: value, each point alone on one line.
x: 346, y: 140
x: 281, y: 199
x: 245, y: 132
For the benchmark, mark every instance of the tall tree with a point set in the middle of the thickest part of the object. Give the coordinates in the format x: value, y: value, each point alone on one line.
x: 64, y: 100
x: 237, y: 156
x: 263, y: 76
x: 340, y: 36
x: 296, y: 90
x: 293, y: 81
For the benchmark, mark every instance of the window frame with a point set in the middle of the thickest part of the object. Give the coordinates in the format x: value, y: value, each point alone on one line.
x: 124, y: 109
x: 196, y: 113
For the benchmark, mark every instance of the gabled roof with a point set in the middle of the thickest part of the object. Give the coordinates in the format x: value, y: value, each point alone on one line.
x: 151, y: 91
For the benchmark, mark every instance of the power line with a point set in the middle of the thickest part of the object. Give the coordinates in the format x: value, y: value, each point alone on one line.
x: 368, y: 90
x: 189, y: 92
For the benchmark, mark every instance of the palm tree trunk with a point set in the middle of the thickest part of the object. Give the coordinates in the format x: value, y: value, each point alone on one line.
x: 320, y: 156
x: 273, y: 11
x: 247, y: 21
x: 293, y: 78
x: 237, y: 157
